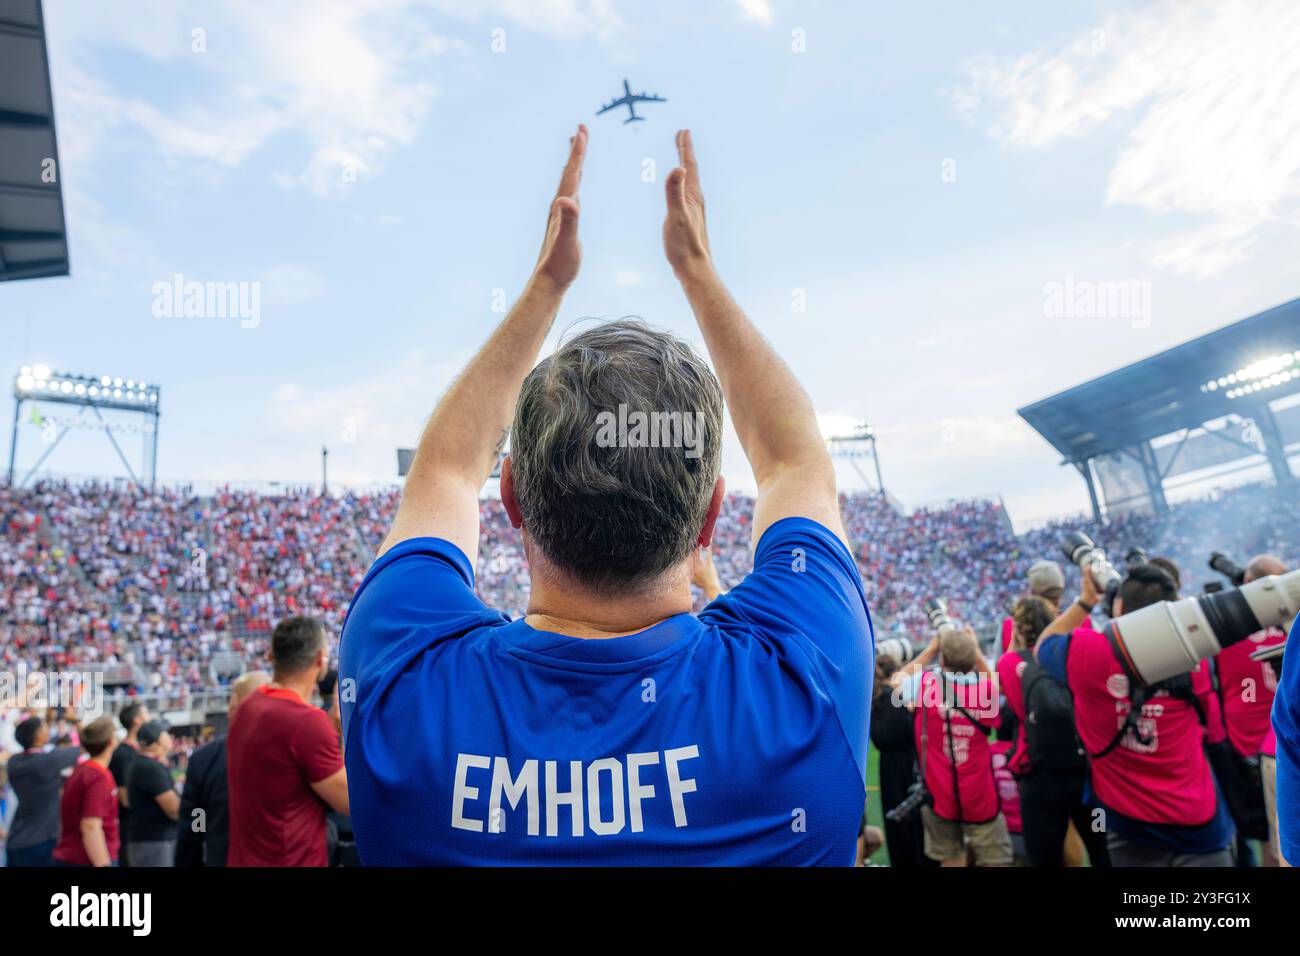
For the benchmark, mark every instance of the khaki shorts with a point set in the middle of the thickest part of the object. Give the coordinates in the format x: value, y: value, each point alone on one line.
x: 947, y: 840
x: 1268, y: 770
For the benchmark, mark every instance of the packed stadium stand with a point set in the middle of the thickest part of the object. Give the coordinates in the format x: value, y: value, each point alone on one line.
x: 166, y: 590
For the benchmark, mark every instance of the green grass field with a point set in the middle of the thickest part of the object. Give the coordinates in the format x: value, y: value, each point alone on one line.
x: 875, y: 813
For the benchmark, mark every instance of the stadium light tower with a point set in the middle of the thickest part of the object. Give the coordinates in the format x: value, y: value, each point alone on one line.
x: 855, y: 448
x: 94, y: 393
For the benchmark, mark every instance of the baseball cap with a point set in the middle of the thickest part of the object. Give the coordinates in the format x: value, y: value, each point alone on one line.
x: 150, y: 732
x: 1046, y: 576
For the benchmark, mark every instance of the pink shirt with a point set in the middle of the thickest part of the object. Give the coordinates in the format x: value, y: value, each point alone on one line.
x: 1011, y: 667
x: 1167, y: 781
x: 1008, y: 790
x: 1248, y: 688
x: 966, y: 761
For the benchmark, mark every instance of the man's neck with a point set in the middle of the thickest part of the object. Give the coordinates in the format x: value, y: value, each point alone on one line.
x: 300, y: 684
x: 559, y: 604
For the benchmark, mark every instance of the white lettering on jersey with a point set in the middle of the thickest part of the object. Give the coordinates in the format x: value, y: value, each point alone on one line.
x: 587, y: 813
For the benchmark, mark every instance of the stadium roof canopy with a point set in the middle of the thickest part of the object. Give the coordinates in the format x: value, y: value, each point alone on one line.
x: 33, y: 234
x: 1171, y: 391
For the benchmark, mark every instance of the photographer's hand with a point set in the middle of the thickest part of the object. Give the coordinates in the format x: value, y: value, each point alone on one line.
x: 468, y: 428
x: 1089, y: 594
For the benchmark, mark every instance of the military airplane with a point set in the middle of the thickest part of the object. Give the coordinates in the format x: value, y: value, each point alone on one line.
x: 630, y: 99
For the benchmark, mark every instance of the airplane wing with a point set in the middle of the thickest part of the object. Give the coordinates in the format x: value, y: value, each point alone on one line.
x: 621, y: 101
x: 650, y: 98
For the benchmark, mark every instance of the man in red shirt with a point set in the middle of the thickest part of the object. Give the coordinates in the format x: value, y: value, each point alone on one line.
x: 88, y: 831
x: 283, y: 760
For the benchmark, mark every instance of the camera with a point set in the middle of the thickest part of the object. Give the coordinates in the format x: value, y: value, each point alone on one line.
x: 900, y: 649
x: 1228, y: 568
x: 917, y: 797
x: 936, y: 609
x: 1170, y: 638
x: 1082, y: 551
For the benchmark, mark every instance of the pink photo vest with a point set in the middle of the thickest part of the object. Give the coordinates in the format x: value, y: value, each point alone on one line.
x: 958, y: 763
x: 1167, y: 781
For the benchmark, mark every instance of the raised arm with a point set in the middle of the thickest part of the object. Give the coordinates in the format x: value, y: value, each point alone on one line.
x: 773, y: 416
x: 468, y: 428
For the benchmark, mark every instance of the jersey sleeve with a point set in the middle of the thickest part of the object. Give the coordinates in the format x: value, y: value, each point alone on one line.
x: 805, y: 595
x: 417, y: 591
x: 1286, y: 724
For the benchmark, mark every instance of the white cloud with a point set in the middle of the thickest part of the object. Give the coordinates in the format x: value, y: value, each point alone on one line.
x: 351, y: 77
x: 563, y: 18
x: 291, y: 285
x: 760, y: 11
x: 361, y: 421
x: 627, y: 277
x: 1206, y: 92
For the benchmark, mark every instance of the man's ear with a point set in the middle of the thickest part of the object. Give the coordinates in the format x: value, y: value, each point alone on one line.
x: 710, y: 516
x: 508, y: 495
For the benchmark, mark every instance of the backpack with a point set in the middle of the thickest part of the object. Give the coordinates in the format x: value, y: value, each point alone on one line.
x: 1050, y: 738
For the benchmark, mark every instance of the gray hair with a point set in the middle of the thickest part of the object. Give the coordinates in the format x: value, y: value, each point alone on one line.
x: 614, y: 508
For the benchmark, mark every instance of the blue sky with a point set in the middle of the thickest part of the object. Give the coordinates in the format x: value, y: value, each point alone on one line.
x: 915, y: 177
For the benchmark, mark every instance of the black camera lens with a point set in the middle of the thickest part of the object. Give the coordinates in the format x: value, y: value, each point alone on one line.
x: 1230, y: 617
x: 1228, y: 568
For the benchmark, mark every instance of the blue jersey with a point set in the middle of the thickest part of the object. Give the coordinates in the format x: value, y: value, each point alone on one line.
x: 735, y: 737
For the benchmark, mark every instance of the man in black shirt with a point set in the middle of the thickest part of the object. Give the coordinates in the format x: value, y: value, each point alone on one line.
x: 133, y: 717
x: 37, y: 777
x: 152, y: 798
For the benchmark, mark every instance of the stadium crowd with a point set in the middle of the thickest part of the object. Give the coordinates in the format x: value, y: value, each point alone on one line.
x: 158, y: 582
x: 163, y: 579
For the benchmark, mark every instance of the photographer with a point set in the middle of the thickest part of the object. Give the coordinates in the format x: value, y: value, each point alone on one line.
x: 1246, y: 691
x: 955, y: 708
x: 891, y: 734
x: 1048, y: 764
x: 1148, y: 768
x: 1047, y: 581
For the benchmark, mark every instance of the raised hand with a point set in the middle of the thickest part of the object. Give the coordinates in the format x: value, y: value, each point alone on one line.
x: 561, y: 253
x: 686, y: 238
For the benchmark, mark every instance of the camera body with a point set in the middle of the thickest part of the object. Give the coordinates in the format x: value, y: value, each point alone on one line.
x: 1082, y: 551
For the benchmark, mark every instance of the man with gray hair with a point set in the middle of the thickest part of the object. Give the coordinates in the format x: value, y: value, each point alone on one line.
x: 610, y: 725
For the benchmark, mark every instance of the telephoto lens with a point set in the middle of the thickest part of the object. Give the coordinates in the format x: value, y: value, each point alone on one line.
x: 901, y: 649
x: 1228, y: 568
x: 1170, y: 638
x: 1090, y: 559
x: 936, y: 609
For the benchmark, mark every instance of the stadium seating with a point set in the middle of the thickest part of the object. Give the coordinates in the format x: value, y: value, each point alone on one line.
x: 161, y: 581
